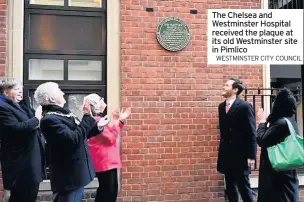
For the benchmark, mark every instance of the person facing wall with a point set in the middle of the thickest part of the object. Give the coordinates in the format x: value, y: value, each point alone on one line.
x: 105, y: 152
x: 70, y: 164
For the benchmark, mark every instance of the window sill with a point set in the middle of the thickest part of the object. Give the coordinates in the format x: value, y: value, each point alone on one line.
x: 46, y: 186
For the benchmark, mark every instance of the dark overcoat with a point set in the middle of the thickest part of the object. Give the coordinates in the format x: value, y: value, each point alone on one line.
x: 237, y: 137
x: 21, y: 144
x: 69, y: 161
x: 275, y: 186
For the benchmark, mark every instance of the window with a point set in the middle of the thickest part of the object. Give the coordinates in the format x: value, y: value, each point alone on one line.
x: 48, y: 2
x: 65, y: 33
x: 45, y: 69
x: 76, y: 3
x: 86, y: 3
x: 65, y: 42
x: 66, y: 70
x: 73, y: 97
x: 85, y: 70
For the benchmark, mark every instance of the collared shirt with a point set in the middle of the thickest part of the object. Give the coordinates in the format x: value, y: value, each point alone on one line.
x: 230, y: 102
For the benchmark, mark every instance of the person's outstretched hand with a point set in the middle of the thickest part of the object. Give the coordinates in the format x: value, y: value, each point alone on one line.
x: 103, y: 121
x: 124, y: 114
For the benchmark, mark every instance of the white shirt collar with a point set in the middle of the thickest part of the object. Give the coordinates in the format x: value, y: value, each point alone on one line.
x: 230, y: 102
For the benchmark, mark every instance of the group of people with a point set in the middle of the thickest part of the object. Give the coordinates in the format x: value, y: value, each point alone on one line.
x: 239, y: 138
x: 79, y: 150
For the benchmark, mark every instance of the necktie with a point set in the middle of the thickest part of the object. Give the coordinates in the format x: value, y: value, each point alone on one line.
x: 227, y: 107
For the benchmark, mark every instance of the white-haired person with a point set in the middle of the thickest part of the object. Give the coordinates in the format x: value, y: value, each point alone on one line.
x: 105, y: 151
x: 70, y: 164
x: 21, y: 143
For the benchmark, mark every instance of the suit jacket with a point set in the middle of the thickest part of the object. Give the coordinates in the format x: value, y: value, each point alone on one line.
x: 237, y: 137
x: 21, y: 146
x: 275, y: 186
x: 69, y: 161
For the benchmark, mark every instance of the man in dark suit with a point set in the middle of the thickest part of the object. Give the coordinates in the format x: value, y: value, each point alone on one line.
x: 70, y: 164
x: 21, y: 144
x: 237, y: 149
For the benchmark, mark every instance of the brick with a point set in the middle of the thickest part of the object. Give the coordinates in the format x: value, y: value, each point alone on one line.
x: 182, y: 92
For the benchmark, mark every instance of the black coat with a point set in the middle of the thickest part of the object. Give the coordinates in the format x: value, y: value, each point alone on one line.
x: 21, y: 144
x: 238, y: 137
x: 69, y: 161
x: 275, y: 186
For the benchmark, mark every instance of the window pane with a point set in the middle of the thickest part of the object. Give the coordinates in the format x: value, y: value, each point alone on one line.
x: 85, y: 70
x: 48, y: 2
x: 41, y: 69
x: 33, y: 101
x: 85, y: 3
x: 65, y: 33
x: 75, y: 102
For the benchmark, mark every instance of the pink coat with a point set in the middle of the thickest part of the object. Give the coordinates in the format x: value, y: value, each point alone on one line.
x: 104, y: 148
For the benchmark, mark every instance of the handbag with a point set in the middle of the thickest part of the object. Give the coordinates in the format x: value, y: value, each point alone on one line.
x: 289, y: 154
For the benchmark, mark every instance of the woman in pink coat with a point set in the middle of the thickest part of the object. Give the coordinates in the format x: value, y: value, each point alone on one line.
x: 105, y: 153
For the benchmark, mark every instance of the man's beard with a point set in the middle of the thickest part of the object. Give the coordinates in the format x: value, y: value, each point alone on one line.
x: 226, y: 94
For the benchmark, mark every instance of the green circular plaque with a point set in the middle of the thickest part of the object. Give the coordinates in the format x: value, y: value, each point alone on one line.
x: 173, y: 34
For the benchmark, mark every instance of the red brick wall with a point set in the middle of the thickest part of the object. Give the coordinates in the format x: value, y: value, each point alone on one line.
x: 170, y: 148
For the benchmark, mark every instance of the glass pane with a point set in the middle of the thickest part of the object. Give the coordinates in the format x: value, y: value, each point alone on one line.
x: 42, y: 69
x: 65, y: 33
x: 33, y: 101
x: 85, y: 70
x: 75, y: 102
x: 48, y: 2
x: 86, y: 3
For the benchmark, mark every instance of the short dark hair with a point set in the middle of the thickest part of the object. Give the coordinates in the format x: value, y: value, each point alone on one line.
x: 237, y: 84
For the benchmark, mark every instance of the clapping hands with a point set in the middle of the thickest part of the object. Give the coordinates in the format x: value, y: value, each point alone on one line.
x: 125, y: 114
x: 86, y: 108
x: 120, y: 115
x: 103, y: 121
x: 261, y: 116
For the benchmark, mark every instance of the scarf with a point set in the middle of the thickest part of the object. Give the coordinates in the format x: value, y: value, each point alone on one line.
x: 60, y: 111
